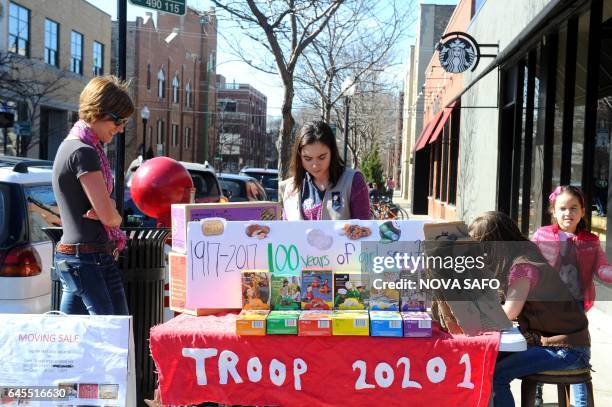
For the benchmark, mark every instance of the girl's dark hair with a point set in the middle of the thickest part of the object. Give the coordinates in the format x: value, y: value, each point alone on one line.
x: 573, y: 191
x: 310, y: 133
x: 494, y: 230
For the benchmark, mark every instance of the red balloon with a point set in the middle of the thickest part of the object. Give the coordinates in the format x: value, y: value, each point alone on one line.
x: 159, y: 183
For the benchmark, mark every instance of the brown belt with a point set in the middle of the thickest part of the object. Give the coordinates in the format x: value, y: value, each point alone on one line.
x: 84, y: 248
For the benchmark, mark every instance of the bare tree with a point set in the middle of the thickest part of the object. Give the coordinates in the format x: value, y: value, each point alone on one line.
x: 359, y: 39
x: 284, y: 28
x: 23, y: 79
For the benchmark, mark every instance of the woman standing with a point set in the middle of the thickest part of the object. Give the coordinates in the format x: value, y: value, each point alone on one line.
x: 82, y: 184
x: 322, y: 187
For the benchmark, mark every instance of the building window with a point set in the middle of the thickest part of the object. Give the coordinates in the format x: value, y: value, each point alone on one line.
x: 51, y: 36
x: 19, y: 30
x: 160, y: 132
x: 76, y: 47
x: 98, y: 59
x: 161, y: 84
x: 175, y: 142
x: 175, y: 89
x: 211, y: 61
x: 148, y: 76
x: 187, y: 138
x: 188, y: 95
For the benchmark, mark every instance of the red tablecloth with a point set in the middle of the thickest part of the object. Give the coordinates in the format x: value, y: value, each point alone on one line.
x: 202, y: 359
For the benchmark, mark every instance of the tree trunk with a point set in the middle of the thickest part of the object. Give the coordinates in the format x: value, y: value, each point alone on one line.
x: 285, y: 141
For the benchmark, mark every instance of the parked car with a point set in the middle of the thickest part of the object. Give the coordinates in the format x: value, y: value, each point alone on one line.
x: 267, y: 177
x: 205, y: 182
x: 27, y: 204
x: 241, y: 188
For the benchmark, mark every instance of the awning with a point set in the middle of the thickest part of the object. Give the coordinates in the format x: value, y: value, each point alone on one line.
x: 445, y: 115
x: 426, y: 132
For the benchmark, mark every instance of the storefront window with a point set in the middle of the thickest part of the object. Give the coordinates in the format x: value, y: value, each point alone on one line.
x: 537, y: 156
x: 580, y: 98
x: 601, y: 169
x: 559, y: 107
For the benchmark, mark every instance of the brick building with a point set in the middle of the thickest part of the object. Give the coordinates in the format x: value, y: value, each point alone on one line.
x: 172, y: 68
x: 49, y: 50
x: 241, y: 126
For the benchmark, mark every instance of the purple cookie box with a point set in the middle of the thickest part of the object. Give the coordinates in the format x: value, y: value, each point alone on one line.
x: 416, y: 324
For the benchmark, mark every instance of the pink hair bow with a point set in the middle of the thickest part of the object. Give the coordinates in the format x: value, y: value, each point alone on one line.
x: 554, y: 194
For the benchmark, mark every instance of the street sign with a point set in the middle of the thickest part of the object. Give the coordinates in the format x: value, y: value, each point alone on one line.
x: 23, y: 129
x: 167, y: 6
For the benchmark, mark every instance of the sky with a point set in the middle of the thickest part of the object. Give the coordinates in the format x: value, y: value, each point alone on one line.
x: 269, y: 85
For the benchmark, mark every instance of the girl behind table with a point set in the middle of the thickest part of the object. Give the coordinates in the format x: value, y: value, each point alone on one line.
x: 554, y: 326
x: 322, y: 186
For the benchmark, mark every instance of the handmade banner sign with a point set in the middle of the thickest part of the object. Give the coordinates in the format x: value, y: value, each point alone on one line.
x: 218, y: 251
x: 201, y: 359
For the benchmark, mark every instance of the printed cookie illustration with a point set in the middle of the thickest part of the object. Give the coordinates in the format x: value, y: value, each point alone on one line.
x: 267, y: 214
x: 318, y: 239
x: 389, y: 232
x: 355, y: 232
x: 258, y: 231
x: 212, y: 227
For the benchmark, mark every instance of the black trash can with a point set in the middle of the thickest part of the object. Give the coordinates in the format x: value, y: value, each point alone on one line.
x: 142, y: 267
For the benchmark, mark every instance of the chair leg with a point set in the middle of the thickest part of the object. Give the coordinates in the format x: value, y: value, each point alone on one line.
x: 590, y: 398
x: 563, y: 395
x: 528, y: 392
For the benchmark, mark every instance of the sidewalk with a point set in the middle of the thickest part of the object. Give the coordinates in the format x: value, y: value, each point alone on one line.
x: 600, y: 328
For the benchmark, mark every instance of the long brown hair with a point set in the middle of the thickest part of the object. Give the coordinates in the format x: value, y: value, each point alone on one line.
x: 493, y: 229
x: 310, y: 133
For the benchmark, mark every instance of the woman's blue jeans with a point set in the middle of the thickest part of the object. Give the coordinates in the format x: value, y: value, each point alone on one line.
x: 535, y: 359
x: 91, y: 284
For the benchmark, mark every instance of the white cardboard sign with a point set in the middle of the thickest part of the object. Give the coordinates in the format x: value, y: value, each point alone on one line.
x: 218, y: 250
x: 65, y: 360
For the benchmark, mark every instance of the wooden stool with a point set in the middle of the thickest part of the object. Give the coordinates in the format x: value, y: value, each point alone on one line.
x: 563, y: 379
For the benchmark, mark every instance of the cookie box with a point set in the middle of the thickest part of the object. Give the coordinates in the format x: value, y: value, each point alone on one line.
x: 182, y: 214
x: 315, y: 323
x: 251, y: 322
x: 355, y: 323
x: 282, y: 322
x: 386, y: 323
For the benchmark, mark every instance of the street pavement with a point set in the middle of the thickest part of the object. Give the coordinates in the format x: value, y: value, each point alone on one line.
x: 600, y: 328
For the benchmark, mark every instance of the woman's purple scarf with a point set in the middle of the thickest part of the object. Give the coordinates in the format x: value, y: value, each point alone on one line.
x: 87, y: 136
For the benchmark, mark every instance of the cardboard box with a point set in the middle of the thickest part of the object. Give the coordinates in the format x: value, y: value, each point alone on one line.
x: 282, y: 322
x: 355, y: 323
x: 251, y: 322
x: 386, y: 323
x: 350, y: 291
x: 417, y: 324
x: 315, y: 323
x: 317, y: 289
x: 286, y: 292
x: 182, y: 214
x: 177, y: 271
x: 412, y: 299
x: 385, y: 299
x: 255, y: 290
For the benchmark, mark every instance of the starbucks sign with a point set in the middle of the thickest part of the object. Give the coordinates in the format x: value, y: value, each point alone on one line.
x: 458, y: 52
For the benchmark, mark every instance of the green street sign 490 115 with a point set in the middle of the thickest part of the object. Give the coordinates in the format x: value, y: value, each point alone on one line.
x: 167, y: 6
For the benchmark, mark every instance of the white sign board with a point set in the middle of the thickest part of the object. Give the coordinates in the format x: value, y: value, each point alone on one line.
x: 64, y: 360
x: 217, y: 251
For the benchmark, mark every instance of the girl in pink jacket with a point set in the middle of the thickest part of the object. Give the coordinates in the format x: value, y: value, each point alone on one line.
x: 567, y: 246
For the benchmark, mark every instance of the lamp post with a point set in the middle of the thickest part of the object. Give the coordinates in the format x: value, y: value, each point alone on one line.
x: 348, y: 88
x: 144, y: 114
